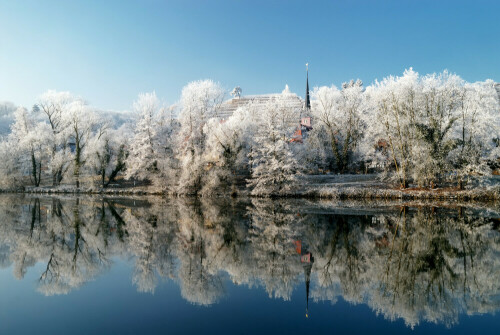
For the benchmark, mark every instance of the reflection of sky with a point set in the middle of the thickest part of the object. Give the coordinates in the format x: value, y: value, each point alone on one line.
x: 111, y: 304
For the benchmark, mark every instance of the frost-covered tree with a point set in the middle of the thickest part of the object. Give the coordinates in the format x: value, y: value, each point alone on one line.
x: 477, y: 128
x: 436, y: 116
x: 167, y: 132
x: 394, y: 103
x: 428, y: 124
x: 107, y: 154
x: 142, y: 162
x: 31, y: 139
x: 337, y: 116
x: 226, y: 155
x: 81, y: 121
x: 10, y: 173
x: 425, y: 130
x: 200, y: 101
x: 53, y: 105
x: 151, y: 148
x: 273, y: 163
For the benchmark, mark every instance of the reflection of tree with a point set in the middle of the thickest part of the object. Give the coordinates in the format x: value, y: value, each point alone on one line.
x: 13, y: 219
x: 226, y: 225
x: 419, y: 264
x: 429, y: 272
x: 69, y: 236
x: 343, y: 256
x: 120, y: 223
x: 198, y: 284
x: 150, y: 240
x: 273, y: 230
x: 22, y: 259
x: 77, y: 252
x: 142, y: 246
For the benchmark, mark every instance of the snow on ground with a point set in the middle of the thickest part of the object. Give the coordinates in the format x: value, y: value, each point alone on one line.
x: 344, y: 180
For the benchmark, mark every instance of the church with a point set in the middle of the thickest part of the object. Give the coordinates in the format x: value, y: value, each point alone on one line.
x: 304, y: 123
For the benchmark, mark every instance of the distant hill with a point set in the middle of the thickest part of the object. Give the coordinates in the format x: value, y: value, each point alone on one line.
x: 6, y: 116
x: 119, y: 118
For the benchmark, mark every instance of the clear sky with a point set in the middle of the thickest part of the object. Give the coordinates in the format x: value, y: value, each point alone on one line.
x: 109, y: 51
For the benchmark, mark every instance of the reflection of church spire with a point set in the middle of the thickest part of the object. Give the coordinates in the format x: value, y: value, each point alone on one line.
x: 307, y: 275
x: 307, y: 260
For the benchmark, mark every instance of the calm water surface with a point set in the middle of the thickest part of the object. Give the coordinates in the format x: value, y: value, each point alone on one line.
x: 139, y: 266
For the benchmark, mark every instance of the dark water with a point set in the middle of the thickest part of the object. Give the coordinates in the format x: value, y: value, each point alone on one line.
x: 139, y: 266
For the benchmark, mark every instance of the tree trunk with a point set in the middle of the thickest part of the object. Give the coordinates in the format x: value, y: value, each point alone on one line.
x: 78, y: 152
x: 39, y: 173
x: 36, y: 180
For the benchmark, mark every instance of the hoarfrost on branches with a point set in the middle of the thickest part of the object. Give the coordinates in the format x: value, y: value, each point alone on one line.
x: 420, y: 130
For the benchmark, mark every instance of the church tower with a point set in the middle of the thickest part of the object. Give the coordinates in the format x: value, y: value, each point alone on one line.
x: 307, y: 103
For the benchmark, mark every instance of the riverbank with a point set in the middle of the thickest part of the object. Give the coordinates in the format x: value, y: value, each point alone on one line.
x: 406, y: 194
x: 319, y: 186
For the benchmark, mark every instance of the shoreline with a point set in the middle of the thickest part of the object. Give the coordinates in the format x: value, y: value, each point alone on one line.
x: 325, y: 192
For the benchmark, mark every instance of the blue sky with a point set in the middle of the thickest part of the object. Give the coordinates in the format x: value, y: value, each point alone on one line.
x: 109, y: 51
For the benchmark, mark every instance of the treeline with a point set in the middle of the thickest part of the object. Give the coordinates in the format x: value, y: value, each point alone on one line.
x: 422, y: 130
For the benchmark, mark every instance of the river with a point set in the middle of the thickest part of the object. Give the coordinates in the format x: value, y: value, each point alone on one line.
x: 124, y: 265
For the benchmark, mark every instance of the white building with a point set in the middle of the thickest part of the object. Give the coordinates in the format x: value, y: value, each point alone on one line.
x: 303, y: 122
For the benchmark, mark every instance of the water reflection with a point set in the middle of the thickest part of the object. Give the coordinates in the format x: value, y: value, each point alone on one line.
x: 415, y: 263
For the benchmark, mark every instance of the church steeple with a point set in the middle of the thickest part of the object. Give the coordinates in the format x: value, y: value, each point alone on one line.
x: 307, y: 104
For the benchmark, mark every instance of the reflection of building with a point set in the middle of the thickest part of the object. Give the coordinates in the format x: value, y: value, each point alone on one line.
x: 307, y: 260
